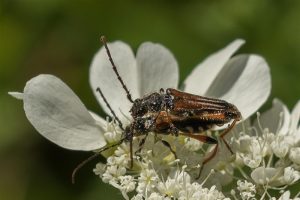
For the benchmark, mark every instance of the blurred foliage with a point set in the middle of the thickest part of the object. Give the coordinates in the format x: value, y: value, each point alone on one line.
x: 60, y: 38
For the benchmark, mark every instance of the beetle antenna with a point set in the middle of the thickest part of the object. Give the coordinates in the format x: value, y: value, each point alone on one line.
x: 103, y: 40
x: 80, y: 165
x: 111, y: 110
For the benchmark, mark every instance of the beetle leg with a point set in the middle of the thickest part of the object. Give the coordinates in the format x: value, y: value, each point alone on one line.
x: 206, y: 160
x: 131, y: 154
x: 161, y: 91
x: 208, y: 140
x: 167, y: 144
x: 225, y: 133
x: 141, y: 144
x: 172, y: 128
x: 201, y: 138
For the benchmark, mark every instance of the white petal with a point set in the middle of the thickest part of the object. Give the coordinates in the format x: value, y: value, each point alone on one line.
x: 240, y: 128
x: 263, y: 175
x: 98, y: 119
x: 244, y: 81
x: 17, y: 95
x: 59, y: 115
x: 276, y: 119
x: 285, y: 196
x: 157, y: 68
x: 295, y: 117
x: 205, y: 73
x: 103, y: 76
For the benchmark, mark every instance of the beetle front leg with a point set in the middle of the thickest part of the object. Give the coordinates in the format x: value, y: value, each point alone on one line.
x: 173, y: 130
x: 131, y: 153
x: 141, y: 144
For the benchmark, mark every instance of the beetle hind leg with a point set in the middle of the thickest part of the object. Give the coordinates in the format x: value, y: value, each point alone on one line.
x: 207, y: 159
x: 208, y: 140
x: 225, y: 132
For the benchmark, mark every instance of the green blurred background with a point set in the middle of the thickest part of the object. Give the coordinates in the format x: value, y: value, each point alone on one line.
x: 61, y: 37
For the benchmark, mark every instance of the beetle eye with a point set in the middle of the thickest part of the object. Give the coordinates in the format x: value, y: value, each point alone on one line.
x: 230, y: 115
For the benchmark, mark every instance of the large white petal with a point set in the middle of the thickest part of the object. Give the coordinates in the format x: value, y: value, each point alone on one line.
x: 286, y: 196
x: 59, y: 115
x: 276, y: 119
x: 199, y: 81
x: 295, y: 117
x: 244, y: 81
x: 103, y: 76
x: 157, y: 68
x: 98, y: 119
x: 17, y: 95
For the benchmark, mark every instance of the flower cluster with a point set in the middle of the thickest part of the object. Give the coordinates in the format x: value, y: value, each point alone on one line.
x: 148, y: 184
x: 266, y: 151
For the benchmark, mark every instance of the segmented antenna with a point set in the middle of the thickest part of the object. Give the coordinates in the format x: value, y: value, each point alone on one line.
x: 103, y: 40
x: 111, y: 110
x: 80, y: 165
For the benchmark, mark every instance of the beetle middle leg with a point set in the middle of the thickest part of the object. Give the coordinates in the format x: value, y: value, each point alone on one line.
x: 167, y: 144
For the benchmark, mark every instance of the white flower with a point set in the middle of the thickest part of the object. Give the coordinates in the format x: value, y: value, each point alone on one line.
x: 265, y: 175
x: 154, y: 67
x: 195, y: 191
x: 290, y: 176
x: 112, y: 173
x: 99, y: 169
x: 192, y: 144
x: 211, y: 194
x: 280, y: 146
x: 148, y: 180
x: 57, y: 113
x: 295, y: 155
x: 113, y: 132
x: 138, y: 197
x: 270, y: 148
x: 228, y: 78
x: 178, y: 185
x: 169, y: 188
x: 280, y: 121
x: 156, y: 196
x: 254, y: 155
x: 286, y: 196
x: 247, y: 189
x: 127, y: 183
x: 174, y: 183
x: 122, y: 155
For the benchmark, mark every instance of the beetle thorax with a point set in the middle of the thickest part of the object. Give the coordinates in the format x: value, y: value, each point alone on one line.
x: 151, y: 103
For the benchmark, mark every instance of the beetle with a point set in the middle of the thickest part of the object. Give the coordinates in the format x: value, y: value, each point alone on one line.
x: 171, y: 112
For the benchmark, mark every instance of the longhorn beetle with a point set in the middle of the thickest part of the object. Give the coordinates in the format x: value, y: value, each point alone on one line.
x: 172, y: 112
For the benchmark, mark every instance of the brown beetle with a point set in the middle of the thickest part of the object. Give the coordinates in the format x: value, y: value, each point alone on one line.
x: 172, y: 112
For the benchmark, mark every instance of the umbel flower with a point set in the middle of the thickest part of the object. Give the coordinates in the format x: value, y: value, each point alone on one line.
x: 58, y: 114
x: 275, y: 133
x: 269, y: 149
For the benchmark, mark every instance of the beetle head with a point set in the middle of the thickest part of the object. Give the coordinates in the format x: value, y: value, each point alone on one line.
x: 233, y: 113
